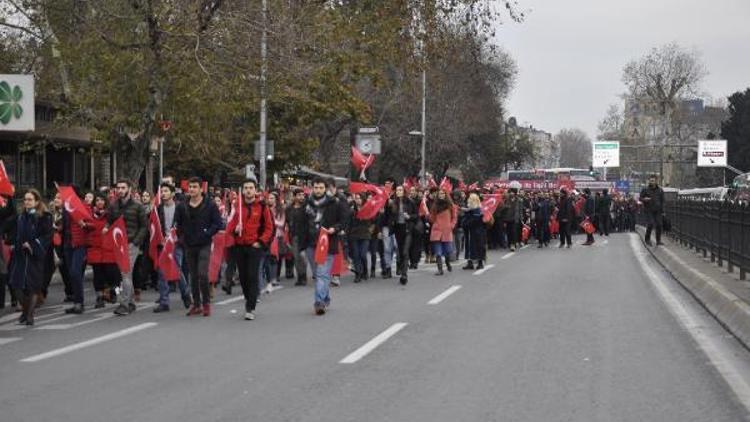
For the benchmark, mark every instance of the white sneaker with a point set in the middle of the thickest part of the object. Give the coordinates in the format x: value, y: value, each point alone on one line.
x: 336, y: 282
x: 249, y: 316
x: 268, y: 289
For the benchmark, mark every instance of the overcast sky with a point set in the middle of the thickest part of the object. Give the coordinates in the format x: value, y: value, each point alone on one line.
x: 570, y: 53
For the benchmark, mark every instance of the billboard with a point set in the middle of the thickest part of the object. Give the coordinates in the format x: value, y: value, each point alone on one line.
x: 16, y: 103
x: 606, y: 154
x: 712, y: 153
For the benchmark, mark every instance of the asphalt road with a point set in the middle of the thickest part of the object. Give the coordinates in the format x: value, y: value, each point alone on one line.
x: 545, y: 335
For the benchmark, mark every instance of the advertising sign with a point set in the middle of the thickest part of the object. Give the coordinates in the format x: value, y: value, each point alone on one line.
x: 712, y: 153
x: 606, y: 154
x: 16, y: 103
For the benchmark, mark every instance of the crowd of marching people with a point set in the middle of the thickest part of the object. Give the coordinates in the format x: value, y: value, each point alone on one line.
x: 193, y: 240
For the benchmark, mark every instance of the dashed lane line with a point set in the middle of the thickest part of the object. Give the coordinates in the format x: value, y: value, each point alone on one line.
x: 442, y: 296
x: 482, y: 271
x: 371, y: 345
x: 88, y: 343
x: 7, y: 340
x: 508, y: 255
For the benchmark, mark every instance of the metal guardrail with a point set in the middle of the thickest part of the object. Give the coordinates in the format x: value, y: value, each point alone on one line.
x: 719, y: 229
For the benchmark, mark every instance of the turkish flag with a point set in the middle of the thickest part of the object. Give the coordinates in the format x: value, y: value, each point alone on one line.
x: 373, y: 205
x: 588, y: 226
x: 156, y: 238
x: 361, y: 162
x: 274, y: 250
x: 5, y: 250
x: 321, y: 247
x: 431, y: 183
x: 218, y: 244
x: 340, y: 266
x: 446, y: 185
x: 525, y: 233
x: 472, y: 187
x: 184, y: 185
x: 117, y: 240
x: 73, y: 205
x: 489, y: 205
x: 6, y: 188
x: 167, y: 263
x: 358, y: 187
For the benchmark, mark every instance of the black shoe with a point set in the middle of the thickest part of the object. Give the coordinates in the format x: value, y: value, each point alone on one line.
x: 648, y: 243
x: 121, y: 310
x: 68, y: 299
x: 99, y: 303
x: 131, y: 307
x: 480, y: 266
x: 289, y: 275
x: 227, y: 289
x: 186, y: 301
x: 76, y: 309
x: 562, y: 245
x: 161, y: 308
x: 469, y: 266
x: 156, y: 301
x: 659, y: 243
x: 22, y: 319
x: 448, y: 266
x: 357, y: 278
x: 403, y: 280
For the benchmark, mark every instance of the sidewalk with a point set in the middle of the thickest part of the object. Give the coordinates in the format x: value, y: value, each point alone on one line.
x: 722, y: 293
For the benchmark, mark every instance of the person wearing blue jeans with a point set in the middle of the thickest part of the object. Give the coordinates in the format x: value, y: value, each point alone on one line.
x: 327, y: 212
x: 74, y: 254
x: 181, y: 284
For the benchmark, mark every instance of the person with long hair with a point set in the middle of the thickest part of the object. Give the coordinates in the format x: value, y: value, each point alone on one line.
x: 101, y: 254
x: 476, y: 233
x: 30, y: 248
x: 443, y: 217
x: 360, y: 234
x: 404, y: 214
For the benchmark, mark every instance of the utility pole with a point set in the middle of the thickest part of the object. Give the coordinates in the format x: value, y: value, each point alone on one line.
x: 263, y: 106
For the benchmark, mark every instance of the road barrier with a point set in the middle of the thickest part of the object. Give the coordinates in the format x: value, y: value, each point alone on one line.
x: 720, y: 229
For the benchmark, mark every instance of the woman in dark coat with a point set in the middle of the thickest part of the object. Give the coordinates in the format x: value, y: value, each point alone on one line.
x: 476, y: 232
x: 30, y: 248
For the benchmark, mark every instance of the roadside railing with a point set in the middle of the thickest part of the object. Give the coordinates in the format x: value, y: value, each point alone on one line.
x: 719, y: 229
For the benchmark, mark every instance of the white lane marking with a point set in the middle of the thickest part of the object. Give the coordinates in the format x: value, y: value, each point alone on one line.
x: 15, y: 316
x: 606, y: 241
x: 688, y: 321
x: 76, y: 324
x: 7, y: 340
x: 231, y: 300
x: 524, y: 246
x: 439, y: 298
x: 486, y: 267
x: 372, y: 344
x: 89, y: 343
x: 9, y: 317
x: 508, y: 255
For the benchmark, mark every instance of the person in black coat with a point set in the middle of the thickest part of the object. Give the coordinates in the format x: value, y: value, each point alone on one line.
x: 589, y: 211
x: 566, y: 214
x: 404, y: 214
x: 475, y: 231
x: 542, y: 214
x: 652, y: 198
x: 30, y: 248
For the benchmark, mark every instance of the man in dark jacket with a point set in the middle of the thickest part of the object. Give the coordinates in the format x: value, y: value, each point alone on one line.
x: 324, y: 211
x: 589, y: 211
x: 603, y: 210
x: 542, y: 213
x: 201, y: 222
x: 566, y: 214
x: 652, y: 198
x: 298, y: 233
x: 136, y: 225
x: 74, y: 249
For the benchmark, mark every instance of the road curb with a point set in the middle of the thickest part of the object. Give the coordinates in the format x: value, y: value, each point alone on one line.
x: 731, y: 311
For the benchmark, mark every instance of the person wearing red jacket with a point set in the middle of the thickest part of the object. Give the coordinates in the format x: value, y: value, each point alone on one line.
x: 100, y: 255
x: 252, y: 229
x: 74, y: 249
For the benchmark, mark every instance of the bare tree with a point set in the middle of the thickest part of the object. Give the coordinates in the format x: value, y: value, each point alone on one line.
x: 575, y: 148
x: 611, y: 126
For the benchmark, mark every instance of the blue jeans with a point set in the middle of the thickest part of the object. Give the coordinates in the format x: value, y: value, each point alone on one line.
x: 181, y: 283
x: 442, y: 248
x: 389, y: 247
x: 359, y: 249
x: 323, y: 281
x: 76, y: 259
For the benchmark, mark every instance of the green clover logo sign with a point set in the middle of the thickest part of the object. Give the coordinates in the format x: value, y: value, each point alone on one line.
x: 9, y: 102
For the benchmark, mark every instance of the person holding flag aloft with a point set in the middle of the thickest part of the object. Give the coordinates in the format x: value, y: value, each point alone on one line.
x: 251, y: 226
